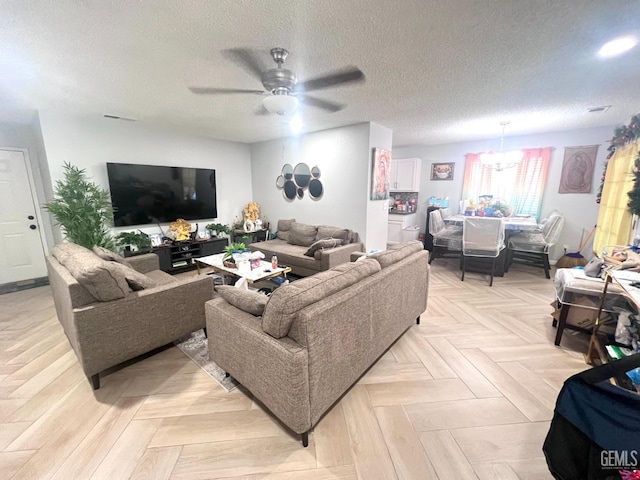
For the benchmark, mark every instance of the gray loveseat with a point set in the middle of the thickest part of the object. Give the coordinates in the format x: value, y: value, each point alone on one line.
x: 318, y: 335
x: 106, y: 320
x: 327, y: 246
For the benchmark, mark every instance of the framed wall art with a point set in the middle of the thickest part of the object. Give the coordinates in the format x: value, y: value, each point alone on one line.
x: 442, y: 171
x: 577, y: 169
x: 380, y: 174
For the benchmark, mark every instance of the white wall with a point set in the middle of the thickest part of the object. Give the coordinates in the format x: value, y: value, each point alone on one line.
x: 90, y: 142
x: 580, y: 210
x: 27, y: 136
x: 343, y: 156
x: 377, y: 210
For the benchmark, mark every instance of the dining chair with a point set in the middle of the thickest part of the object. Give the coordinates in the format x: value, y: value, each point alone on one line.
x: 445, y: 237
x: 532, y: 248
x: 482, y: 237
x: 445, y: 212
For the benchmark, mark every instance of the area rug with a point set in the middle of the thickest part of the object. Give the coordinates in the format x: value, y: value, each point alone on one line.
x: 194, y: 346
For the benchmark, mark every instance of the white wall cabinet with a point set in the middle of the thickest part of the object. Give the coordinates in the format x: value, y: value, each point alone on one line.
x: 397, y: 223
x: 405, y: 174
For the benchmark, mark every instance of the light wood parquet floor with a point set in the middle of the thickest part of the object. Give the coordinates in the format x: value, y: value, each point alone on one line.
x: 468, y: 394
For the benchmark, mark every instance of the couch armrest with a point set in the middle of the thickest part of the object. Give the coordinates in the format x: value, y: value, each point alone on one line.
x: 276, y: 371
x: 109, y: 333
x: 335, y: 256
x: 145, y: 263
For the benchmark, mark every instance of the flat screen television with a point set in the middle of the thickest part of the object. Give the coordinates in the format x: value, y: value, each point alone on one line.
x: 148, y: 194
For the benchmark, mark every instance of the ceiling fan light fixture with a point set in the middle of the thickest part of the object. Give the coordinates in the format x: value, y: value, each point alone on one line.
x: 280, y: 104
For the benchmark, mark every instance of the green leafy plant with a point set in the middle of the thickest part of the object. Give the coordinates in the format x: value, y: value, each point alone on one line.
x: 82, y: 209
x: 234, y: 247
x: 218, y: 228
x: 139, y: 240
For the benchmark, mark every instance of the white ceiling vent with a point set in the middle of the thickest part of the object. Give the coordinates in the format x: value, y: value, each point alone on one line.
x: 599, y: 109
x: 118, y: 117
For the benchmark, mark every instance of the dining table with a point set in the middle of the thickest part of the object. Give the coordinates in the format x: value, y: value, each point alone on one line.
x: 512, y: 225
x: 514, y: 222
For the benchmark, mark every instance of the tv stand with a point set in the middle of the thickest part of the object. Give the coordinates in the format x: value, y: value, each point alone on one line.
x: 180, y: 256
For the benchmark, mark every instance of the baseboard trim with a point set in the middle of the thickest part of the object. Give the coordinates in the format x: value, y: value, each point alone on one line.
x: 23, y: 285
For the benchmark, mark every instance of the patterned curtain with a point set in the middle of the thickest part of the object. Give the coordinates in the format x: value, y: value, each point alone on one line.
x: 614, y: 218
x: 521, y: 186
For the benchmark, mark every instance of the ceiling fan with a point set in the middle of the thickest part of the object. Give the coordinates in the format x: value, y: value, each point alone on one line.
x: 281, y: 87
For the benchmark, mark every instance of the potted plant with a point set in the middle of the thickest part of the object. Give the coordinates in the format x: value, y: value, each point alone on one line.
x: 82, y: 209
x: 227, y: 258
x: 140, y: 241
x: 218, y: 229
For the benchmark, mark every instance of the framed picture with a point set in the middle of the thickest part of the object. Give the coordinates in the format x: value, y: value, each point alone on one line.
x: 577, y: 169
x: 442, y: 171
x: 156, y: 239
x: 380, y: 174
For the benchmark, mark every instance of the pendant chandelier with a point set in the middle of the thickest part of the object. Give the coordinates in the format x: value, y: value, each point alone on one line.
x: 501, y: 160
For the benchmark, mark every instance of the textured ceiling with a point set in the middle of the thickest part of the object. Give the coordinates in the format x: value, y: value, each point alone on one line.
x: 437, y: 71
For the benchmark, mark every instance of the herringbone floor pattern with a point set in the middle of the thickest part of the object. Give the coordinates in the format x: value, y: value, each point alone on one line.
x: 467, y: 394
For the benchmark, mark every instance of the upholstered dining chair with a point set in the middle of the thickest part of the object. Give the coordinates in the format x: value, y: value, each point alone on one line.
x: 482, y: 237
x: 532, y: 248
x: 445, y: 237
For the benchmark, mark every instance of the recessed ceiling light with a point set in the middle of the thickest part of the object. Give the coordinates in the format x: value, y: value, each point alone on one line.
x: 617, y: 46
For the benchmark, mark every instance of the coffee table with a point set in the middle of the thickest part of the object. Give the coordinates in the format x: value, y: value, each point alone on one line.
x: 263, y: 272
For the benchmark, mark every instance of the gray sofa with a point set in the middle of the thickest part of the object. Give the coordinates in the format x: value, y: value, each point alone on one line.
x: 112, y: 312
x: 316, y: 336
x: 330, y: 246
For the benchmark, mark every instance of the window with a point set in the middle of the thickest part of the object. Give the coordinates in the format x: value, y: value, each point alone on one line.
x: 521, y: 186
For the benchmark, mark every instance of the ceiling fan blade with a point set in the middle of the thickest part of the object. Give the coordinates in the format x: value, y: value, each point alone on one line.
x: 347, y: 75
x: 246, y: 59
x: 260, y: 110
x: 324, y: 104
x: 216, y: 91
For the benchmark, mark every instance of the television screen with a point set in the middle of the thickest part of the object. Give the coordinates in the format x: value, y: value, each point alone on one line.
x: 144, y: 194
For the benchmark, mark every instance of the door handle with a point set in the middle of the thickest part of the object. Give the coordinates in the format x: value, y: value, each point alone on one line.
x: 30, y: 217
x: 32, y: 227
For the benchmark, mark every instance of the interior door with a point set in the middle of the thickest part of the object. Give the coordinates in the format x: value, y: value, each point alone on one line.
x: 21, y: 251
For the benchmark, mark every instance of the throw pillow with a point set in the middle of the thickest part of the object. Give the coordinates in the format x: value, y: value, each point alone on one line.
x: 285, y: 225
x: 246, y: 300
x: 92, y: 272
x: 105, y: 254
x: 333, y: 232
x: 321, y: 245
x: 301, y: 234
x: 283, y: 235
x: 136, y: 280
x: 283, y: 229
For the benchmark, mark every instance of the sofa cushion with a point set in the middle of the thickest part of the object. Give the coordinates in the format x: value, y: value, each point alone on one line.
x: 286, y: 301
x: 136, y: 280
x: 285, y: 225
x: 96, y: 275
x: 287, y: 254
x: 395, y: 253
x: 302, y: 234
x: 284, y: 235
x: 246, y: 300
x: 108, y: 255
x: 319, y: 245
x: 283, y: 229
x: 161, y: 278
x: 333, y: 232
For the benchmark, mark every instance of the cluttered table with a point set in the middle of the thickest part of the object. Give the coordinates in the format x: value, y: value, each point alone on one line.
x: 515, y: 222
